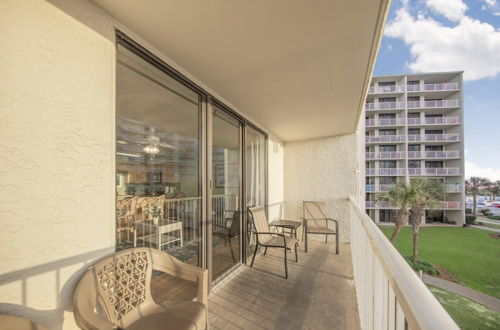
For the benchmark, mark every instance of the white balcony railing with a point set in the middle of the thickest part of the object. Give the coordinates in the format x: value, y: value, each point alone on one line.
x: 434, y: 171
x: 454, y: 188
x: 434, y: 154
x: 385, y: 155
x: 385, y: 122
x: 454, y: 137
x: 377, y: 188
x: 385, y: 138
x: 386, y: 171
x: 434, y: 104
x: 434, y: 121
x: 386, y: 89
x: 390, y: 295
x: 385, y: 106
x: 433, y: 87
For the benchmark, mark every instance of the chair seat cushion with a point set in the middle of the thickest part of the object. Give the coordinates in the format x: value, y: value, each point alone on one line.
x: 320, y: 230
x: 278, y: 241
x: 185, y: 315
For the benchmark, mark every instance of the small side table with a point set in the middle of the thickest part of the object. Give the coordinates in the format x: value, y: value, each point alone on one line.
x: 287, y: 224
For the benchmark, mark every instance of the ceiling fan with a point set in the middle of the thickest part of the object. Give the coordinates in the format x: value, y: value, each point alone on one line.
x: 153, y: 143
x: 137, y: 132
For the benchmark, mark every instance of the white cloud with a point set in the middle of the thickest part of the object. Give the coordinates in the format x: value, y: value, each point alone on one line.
x: 454, y: 10
x: 497, y: 13
x: 491, y: 3
x: 472, y: 169
x: 470, y: 45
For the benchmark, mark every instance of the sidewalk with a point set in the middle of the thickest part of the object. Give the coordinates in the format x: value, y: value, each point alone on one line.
x: 485, y: 300
x: 486, y: 228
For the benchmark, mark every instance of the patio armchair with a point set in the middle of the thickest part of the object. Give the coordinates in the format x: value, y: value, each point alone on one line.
x: 115, y: 293
x: 316, y: 222
x: 266, y: 238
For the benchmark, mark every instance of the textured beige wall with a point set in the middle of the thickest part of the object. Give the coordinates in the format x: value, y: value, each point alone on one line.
x: 56, y: 154
x: 323, y: 170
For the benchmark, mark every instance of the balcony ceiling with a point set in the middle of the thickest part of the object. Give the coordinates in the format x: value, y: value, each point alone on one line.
x: 300, y: 69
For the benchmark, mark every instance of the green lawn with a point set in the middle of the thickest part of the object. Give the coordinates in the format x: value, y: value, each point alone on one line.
x: 466, y: 313
x: 471, y: 255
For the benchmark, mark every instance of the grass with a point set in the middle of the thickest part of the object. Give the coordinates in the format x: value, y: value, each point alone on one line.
x: 494, y: 217
x: 471, y: 255
x: 466, y: 313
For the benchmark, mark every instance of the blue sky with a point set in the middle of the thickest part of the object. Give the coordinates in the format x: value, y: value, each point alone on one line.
x: 453, y: 35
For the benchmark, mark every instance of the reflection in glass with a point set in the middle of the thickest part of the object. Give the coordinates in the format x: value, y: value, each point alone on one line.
x: 158, y: 200
x: 255, y: 143
x: 225, y: 193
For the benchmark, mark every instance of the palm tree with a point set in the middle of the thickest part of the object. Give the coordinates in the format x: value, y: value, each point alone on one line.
x: 495, y: 189
x: 424, y: 194
x: 473, y: 187
x: 399, y: 196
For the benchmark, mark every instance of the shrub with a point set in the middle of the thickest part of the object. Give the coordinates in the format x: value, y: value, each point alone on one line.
x: 480, y: 223
x: 486, y: 212
x: 468, y: 210
x: 422, y: 265
x: 470, y: 219
x: 494, y: 217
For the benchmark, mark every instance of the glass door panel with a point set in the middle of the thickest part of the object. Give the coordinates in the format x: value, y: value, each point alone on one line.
x: 158, y: 181
x: 226, y: 192
x: 255, y: 178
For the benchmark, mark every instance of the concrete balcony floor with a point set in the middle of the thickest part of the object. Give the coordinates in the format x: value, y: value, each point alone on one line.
x: 319, y: 293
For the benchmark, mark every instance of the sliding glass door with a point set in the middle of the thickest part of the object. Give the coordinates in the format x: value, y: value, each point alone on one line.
x: 226, y: 192
x: 158, y: 160
x: 255, y: 178
x: 187, y: 169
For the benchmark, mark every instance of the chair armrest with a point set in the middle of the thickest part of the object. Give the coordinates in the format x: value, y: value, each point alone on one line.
x: 271, y: 233
x: 84, y: 303
x: 166, y: 263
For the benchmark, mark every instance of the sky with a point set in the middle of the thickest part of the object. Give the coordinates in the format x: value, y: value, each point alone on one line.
x: 453, y: 35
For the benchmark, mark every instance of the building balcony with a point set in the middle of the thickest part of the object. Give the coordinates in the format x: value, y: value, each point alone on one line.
x: 445, y: 205
x: 453, y: 137
x: 454, y: 188
x: 385, y: 106
x: 377, y: 188
x: 434, y: 121
x: 387, y: 89
x: 433, y: 104
x: 386, y: 171
x: 443, y: 87
x: 452, y: 154
x: 386, y: 155
x: 385, y: 138
x: 447, y: 171
x: 385, y: 122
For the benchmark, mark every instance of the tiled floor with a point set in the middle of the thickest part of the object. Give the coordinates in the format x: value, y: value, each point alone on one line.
x: 319, y: 293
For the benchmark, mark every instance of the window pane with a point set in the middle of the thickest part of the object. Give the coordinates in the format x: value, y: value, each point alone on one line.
x: 157, y: 160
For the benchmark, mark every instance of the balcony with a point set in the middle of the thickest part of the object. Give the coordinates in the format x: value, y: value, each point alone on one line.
x: 452, y: 154
x: 377, y: 188
x: 434, y: 121
x: 454, y: 188
x: 454, y: 137
x: 386, y: 155
x: 445, y: 205
x: 385, y: 138
x: 433, y: 104
x: 385, y: 122
x: 386, y: 89
x: 385, y: 106
x: 444, y: 87
x: 386, y: 171
x: 447, y: 171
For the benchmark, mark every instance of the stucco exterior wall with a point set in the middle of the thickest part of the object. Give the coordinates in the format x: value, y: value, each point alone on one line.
x: 56, y: 154
x: 327, y: 170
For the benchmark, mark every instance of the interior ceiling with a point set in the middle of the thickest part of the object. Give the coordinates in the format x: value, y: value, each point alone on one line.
x: 298, y: 68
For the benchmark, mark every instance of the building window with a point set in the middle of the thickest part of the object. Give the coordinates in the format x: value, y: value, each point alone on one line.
x: 387, y: 132
x: 387, y: 116
x: 387, y: 83
x: 413, y: 114
x: 387, y: 180
x: 414, y: 164
x: 433, y: 148
x: 386, y: 216
x: 384, y: 148
x: 414, y: 147
x: 413, y: 131
x: 387, y: 164
x: 433, y: 164
x: 413, y: 98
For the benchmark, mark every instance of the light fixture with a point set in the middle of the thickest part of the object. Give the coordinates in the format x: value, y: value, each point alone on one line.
x: 151, y: 149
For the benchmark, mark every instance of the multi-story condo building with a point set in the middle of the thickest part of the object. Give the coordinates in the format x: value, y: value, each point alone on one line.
x: 414, y: 128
